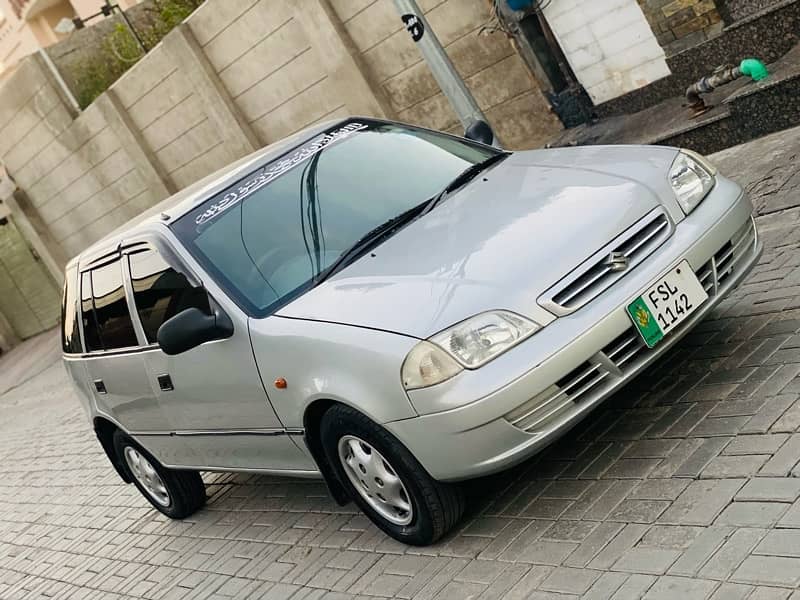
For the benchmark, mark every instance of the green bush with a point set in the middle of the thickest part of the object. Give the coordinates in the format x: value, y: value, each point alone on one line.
x: 119, y: 50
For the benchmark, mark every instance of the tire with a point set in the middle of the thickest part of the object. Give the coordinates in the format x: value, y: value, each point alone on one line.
x: 183, y: 491
x: 435, y: 507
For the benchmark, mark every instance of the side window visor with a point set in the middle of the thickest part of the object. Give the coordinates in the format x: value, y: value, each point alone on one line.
x: 107, y: 323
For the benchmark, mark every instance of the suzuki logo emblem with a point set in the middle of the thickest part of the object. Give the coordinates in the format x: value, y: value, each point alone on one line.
x: 616, y: 261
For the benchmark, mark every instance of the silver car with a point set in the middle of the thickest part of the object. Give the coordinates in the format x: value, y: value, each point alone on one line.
x: 392, y: 309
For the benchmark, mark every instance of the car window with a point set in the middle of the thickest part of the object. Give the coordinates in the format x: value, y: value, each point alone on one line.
x: 70, y: 333
x: 111, y: 308
x: 160, y: 292
x: 268, y: 236
x: 91, y: 332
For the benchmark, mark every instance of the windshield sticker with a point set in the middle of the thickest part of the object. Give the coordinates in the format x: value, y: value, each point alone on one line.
x: 247, y: 188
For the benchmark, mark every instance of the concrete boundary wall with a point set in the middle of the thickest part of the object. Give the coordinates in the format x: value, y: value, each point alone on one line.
x: 235, y: 76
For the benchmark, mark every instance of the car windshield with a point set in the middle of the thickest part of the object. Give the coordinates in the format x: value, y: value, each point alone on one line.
x: 267, y: 238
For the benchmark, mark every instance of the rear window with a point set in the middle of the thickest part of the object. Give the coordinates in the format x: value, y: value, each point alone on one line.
x: 70, y: 332
x: 106, y: 316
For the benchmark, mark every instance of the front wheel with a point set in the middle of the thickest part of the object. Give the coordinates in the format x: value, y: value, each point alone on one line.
x: 177, y: 494
x: 386, y: 481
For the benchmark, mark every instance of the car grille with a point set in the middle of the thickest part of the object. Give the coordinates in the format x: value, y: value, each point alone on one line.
x: 595, y: 276
x: 579, y: 383
x: 626, y: 353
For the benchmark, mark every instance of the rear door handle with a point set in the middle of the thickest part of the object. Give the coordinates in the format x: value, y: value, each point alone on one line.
x: 165, y: 383
x: 100, y: 386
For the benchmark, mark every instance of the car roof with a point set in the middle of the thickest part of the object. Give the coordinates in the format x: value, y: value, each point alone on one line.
x: 192, y: 196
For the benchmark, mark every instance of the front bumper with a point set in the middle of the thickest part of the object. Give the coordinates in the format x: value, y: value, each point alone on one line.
x: 603, y: 352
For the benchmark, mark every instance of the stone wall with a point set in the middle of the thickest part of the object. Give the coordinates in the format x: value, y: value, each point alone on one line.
x: 78, y: 174
x: 265, y: 60
x: 681, y: 24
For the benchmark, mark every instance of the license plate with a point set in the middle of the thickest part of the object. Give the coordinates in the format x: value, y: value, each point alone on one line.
x: 667, y: 303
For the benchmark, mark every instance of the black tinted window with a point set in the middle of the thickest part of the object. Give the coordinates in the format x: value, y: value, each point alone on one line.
x: 70, y: 333
x: 111, y: 308
x: 160, y: 292
x: 91, y: 333
x: 267, y: 237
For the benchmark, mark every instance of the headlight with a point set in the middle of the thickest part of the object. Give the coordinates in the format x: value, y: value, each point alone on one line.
x: 427, y: 365
x: 692, y: 178
x: 469, y: 344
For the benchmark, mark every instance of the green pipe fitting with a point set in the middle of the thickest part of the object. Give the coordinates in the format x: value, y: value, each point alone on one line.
x: 754, y: 68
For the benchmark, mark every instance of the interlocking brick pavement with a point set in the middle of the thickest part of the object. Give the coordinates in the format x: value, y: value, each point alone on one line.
x: 685, y: 485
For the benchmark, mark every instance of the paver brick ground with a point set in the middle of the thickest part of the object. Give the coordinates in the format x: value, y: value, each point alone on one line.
x: 684, y: 485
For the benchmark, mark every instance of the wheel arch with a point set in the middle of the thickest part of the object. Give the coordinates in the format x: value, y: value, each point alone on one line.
x: 104, y: 429
x: 312, y: 417
x: 441, y: 504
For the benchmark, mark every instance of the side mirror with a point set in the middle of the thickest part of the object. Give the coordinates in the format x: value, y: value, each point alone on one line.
x: 480, y: 131
x: 192, y: 327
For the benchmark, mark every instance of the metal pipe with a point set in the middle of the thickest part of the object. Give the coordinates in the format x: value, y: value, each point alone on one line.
x: 132, y: 29
x: 751, y: 67
x: 453, y: 87
x: 708, y: 84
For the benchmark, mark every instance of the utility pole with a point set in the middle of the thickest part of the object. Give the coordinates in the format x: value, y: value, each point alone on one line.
x: 454, y: 88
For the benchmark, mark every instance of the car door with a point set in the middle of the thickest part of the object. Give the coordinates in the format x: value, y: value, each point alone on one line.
x: 212, y: 394
x: 114, y: 360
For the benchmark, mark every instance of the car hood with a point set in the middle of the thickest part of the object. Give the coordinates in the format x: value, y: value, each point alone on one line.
x: 498, y: 243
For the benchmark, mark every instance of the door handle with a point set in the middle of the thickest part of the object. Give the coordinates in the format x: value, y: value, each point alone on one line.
x: 100, y: 386
x: 165, y: 383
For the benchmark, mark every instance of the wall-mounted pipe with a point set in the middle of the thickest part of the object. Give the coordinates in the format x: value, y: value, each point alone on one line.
x: 750, y: 67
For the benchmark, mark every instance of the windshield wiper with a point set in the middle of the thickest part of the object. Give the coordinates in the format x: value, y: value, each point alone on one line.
x: 373, y: 237
x: 367, y: 241
x: 464, y: 178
